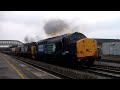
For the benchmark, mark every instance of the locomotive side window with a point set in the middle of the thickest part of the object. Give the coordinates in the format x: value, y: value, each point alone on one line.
x: 40, y: 48
x: 22, y: 49
x: 26, y: 49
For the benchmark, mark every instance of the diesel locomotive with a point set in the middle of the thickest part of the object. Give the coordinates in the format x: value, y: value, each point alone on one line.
x: 73, y: 48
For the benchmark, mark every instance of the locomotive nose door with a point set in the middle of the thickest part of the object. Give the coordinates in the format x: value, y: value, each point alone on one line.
x: 86, y: 47
x: 80, y: 49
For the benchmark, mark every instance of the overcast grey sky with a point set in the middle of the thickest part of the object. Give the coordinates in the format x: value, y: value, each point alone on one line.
x: 15, y: 25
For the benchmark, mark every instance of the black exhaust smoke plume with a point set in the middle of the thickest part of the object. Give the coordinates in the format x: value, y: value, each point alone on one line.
x: 26, y: 39
x: 54, y: 27
x: 59, y: 27
x: 29, y: 39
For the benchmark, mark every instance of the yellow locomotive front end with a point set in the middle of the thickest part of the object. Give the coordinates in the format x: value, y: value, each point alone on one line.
x: 33, y: 52
x: 87, y: 50
x: 17, y: 50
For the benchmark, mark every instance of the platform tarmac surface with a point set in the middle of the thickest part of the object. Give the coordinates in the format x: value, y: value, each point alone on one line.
x: 11, y: 68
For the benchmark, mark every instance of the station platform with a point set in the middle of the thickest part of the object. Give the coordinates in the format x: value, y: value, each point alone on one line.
x: 11, y: 68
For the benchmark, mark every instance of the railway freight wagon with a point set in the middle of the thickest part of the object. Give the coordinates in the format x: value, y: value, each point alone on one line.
x: 13, y: 50
x: 71, y: 48
x: 17, y: 51
x: 26, y: 50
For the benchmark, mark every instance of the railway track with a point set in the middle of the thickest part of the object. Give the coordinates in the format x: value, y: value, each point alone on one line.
x: 107, y: 71
x: 63, y: 73
x: 102, y: 70
x: 35, y: 64
x: 74, y: 73
x: 110, y: 61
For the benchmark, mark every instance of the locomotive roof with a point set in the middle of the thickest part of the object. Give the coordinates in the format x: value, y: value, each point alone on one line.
x: 57, y: 38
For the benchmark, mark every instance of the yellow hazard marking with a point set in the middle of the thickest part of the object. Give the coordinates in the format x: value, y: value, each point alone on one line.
x: 15, y: 69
